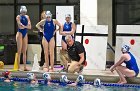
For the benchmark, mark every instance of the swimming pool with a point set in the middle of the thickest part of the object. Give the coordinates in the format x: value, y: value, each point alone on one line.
x: 24, y: 86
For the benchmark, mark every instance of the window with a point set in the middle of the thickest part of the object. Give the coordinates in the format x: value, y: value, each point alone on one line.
x: 27, y: 1
x: 6, y: 1
x: 127, y: 12
x: 54, y: 1
x: 74, y: 1
x: 7, y: 19
x: 77, y: 14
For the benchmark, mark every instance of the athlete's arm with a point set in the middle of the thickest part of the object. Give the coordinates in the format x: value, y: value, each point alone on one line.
x: 61, y: 32
x: 58, y: 24
x: 121, y: 60
x: 20, y: 25
x: 39, y: 24
x: 72, y: 30
x: 29, y: 23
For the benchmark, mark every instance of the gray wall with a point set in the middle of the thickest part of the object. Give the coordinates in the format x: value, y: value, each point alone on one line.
x: 105, y: 15
x: 105, y: 18
x: 6, y: 19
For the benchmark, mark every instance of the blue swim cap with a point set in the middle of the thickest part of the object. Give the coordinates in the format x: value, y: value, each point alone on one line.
x: 64, y: 79
x: 23, y: 9
x: 80, y: 79
x: 46, y: 76
x: 48, y: 13
x: 97, y: 82
x: 67, y: 15
x: 125, y: 48
x: 30, y: 76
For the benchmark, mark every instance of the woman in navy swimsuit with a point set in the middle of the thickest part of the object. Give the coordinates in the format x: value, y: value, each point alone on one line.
x: 48, y: 38
x: 130, y: 70
x: 68, y: 29
x: 23, y: 22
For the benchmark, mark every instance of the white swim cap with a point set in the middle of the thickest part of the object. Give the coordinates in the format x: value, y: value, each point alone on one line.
x: 46, y: 76
x: 125, y: 48
x: 48, y: 13
x: 67, y: 15
x: 64, y: 78
x: 97, y: 82
x: 30, y: 76
x: 80, y: 79
x: 23, y: 9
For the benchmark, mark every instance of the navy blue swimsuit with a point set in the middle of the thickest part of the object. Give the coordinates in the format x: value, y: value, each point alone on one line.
x: 131, y: 64
x: 24, y: 21
x: 66, y: 27
x: 49, y: 29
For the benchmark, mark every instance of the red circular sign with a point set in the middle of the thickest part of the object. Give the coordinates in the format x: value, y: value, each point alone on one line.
x: 86, y: 41
x: 132, y: 41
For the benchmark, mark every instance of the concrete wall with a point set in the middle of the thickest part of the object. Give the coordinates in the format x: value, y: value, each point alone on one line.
x: 104, y: 17
x: 88, y: 12
x: 98, y: 12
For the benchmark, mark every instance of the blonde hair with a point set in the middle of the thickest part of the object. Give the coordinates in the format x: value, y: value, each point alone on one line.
x: 43, y: 15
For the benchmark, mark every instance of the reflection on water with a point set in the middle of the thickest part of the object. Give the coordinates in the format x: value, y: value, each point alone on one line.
x: 17, y: 86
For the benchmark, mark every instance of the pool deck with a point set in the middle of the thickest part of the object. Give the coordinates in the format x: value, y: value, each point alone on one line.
x: 90, y: 75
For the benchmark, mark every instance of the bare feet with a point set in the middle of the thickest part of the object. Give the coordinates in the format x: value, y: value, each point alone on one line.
x: 19, y: 70
x: 46, y: 69
x: 25, y: 69
x: 122, y: 82
x: 51, y: 70
x: 119, y: 81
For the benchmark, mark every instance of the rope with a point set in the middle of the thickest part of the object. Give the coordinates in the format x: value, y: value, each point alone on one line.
x: 41, y: 81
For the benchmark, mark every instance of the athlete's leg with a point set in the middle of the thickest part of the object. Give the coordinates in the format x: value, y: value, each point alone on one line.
x: 123, y: 71
x: 19, y: 46
x: 24, y: 50
x: 45, y: 46
x: 51, y: 50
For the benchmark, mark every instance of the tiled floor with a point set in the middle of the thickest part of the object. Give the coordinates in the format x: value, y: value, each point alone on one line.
x: 90, y: 75
x: 85, y: 72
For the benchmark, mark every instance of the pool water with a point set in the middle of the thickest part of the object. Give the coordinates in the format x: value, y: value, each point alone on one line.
x: 18, y: 86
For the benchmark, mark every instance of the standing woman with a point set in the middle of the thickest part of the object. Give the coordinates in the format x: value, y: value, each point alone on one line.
x: 48, y: 38
x: 68, y: 29
x: 23, y: 22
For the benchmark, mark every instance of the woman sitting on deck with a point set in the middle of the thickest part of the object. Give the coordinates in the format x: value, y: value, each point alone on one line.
x: 131, y: 69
